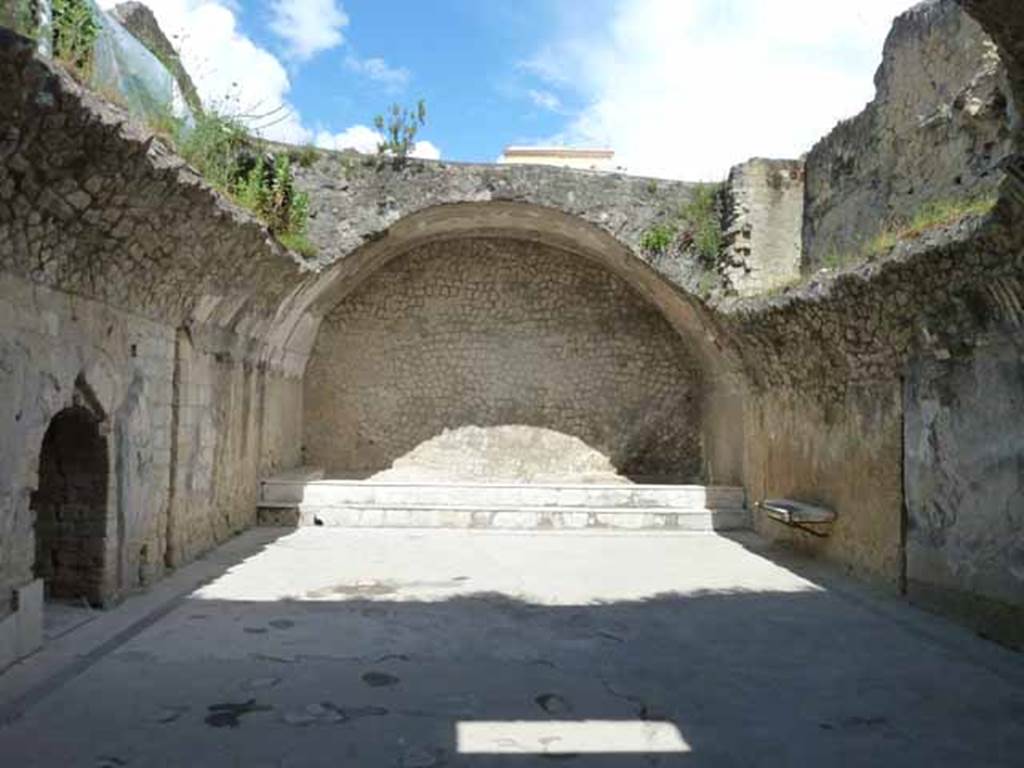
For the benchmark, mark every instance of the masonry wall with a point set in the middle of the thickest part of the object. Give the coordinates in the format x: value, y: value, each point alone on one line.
x: 236, y: 421
x: 941, y: 123
x: 111, y: 250
x: 47, y: 340
x: 764, y: 218
x: 486, y: 334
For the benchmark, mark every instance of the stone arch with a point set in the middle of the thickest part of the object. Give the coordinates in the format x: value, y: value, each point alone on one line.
x: 71, y: 506
x: 691, y: 319
x: 405, y: 301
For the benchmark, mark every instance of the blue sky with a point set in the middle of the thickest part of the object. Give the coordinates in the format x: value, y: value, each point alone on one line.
x: 679, y: 88
x: 462, y: 57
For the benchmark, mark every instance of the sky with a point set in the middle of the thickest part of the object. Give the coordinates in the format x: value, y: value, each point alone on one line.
x: 678, y: 88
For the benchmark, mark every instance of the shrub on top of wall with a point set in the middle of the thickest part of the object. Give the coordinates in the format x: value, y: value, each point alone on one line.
x: 697, y: 227
x: 238, y: 165
x: 933, y: 215
x: 74, y: 31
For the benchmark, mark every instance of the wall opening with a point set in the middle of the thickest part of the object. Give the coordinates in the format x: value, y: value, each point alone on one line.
x: 70, y: 506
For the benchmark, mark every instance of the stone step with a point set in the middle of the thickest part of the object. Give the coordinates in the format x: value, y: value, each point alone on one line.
x: 286, y: 487
x: 339, y: 493
x: 574, y: 518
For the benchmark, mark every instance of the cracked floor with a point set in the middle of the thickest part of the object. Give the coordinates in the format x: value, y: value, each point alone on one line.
x: 325, y: 647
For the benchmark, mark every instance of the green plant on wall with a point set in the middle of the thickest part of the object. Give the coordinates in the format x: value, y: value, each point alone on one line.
x: 702, y: 224
x: 215, y: 145
x: 236, y: 164
x: 932, y: 215
x: 697, y: 227
x: 23, y: 15
x: 400, y: 126
x: 268, y: 189
x: 658, y: 238
x: 74, y: 30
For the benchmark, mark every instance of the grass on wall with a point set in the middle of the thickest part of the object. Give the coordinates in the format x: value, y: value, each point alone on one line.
x: 238, y: 165
x: 218, y: 146
x: 934, y: 215
x: 695, y: 229
x: 72, y: 31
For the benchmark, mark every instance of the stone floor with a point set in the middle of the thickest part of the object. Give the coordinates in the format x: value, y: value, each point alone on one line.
x: 323, y: 647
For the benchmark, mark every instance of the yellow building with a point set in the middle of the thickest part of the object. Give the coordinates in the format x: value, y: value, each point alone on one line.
x: 581, y: 158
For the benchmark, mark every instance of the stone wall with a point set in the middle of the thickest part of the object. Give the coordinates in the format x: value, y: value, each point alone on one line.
x: 823, y: 405
x: 764, y: 219
x: 938, y: 129
x: 48, y: 340
x: 355, y: 199
x: 236, y: 421
x: 869, y: 389
x: 964, y: 476
x: 494, y: 333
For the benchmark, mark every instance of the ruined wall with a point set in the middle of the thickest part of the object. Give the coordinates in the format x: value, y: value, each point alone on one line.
x: 202, y: 320
x: 870, y: 390
x: 486, y: 332
x: 354, y: 199
x: 940, y: 125
x: 764, y: 220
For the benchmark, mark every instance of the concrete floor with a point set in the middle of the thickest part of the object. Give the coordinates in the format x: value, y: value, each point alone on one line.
x: 323, y: 647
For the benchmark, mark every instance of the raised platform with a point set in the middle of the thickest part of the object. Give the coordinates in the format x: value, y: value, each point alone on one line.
x: 375, y: 504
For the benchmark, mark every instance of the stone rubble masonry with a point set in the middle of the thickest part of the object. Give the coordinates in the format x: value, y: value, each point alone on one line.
x: 494, y: 332
x: 354, y: 199
x: 111, y: 250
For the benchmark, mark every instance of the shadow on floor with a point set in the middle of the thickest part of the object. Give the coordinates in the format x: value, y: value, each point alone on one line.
x: 359, y: 676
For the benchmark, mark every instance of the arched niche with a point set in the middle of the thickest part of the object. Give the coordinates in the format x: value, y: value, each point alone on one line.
x: 71, y: 507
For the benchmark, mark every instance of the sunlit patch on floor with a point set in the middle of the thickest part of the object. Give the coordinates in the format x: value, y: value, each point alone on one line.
x: 564, y: 737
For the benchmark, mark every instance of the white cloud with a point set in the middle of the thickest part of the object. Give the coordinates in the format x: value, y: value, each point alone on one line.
x: 687, y: 88
x: 358, y: 137
x: 364, y: 139
x: 308, y: 26
x: 426, y: 150
x: 544, y: 99
x: 230, y: 71
x: 377, y: 70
